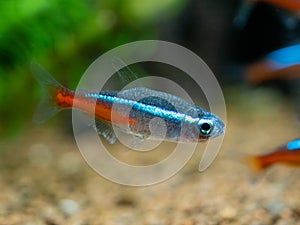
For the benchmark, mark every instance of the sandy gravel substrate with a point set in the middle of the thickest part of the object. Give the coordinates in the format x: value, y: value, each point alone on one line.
x: 45, y: 180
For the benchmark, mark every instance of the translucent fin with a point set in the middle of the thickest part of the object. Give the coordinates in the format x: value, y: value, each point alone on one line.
x: 105, y: 130
x: 125, y: 73
x: 48, y: 105
x: 42, y: 76
x: 135, y: 141
x: 45, y: 111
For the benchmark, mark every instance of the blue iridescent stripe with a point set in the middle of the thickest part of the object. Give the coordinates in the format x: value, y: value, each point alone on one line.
x: 153, y: 110
x: 285, y: 57
x: 293, y: 145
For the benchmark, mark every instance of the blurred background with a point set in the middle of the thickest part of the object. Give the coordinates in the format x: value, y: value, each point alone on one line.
x: 66, y: 37
x: 252, y: 48
x: 233, y: 38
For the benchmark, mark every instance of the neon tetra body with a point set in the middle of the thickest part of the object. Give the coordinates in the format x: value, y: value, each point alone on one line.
x: 132, y: 111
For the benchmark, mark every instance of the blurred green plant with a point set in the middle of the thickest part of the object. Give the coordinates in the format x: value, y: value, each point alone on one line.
x: 65, y: 36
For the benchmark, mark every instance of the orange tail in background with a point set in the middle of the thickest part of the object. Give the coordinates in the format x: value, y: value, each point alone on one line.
x: 292, y: 5
x: 281, y: 155
x: 256, y: 163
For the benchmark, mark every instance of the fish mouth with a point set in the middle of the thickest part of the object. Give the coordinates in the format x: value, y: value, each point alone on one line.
x: 219, y: 128
x: 203, y: 139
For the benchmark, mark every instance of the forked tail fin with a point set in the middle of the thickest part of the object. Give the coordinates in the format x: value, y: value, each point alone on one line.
x: 48, y: 106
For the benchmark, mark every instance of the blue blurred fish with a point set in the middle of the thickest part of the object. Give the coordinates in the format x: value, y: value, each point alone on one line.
x: 283, y: 63
x: 288, y: 154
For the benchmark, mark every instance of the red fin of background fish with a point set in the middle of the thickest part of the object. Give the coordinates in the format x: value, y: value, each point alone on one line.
x: 281, y: 155
x: 283, y: 63
x: 48, y: 106
x: 292, y: 5
x: 265, y: 71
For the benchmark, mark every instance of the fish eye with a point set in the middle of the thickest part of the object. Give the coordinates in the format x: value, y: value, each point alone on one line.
x: 206, y: 126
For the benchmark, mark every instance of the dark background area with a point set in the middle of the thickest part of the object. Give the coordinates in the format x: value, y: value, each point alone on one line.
x: 67, y: 36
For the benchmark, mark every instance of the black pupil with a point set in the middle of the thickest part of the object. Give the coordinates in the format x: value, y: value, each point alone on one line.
x: 205, y: 126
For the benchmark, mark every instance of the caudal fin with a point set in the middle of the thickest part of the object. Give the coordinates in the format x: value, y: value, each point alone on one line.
x: 48, y: 106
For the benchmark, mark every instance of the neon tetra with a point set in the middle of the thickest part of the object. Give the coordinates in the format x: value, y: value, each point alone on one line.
x: 288, y: 154
x: 183, y: 121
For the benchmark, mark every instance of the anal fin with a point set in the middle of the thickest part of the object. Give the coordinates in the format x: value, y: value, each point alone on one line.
x: 105, y: 130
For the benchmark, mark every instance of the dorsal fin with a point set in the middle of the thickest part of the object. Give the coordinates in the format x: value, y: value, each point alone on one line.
x: 123, y: 70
